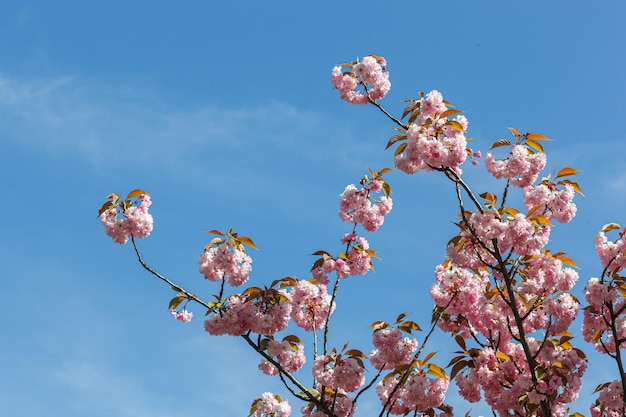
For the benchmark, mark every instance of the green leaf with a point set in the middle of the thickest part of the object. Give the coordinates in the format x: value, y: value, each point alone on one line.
x: 566, y: 172
x: 610, y: 226
x: 515, y: 132
x: 535, y: 145
x: 400, y: 149
x: 450, y: 112
x: 136, y: 193
x: 453, y: 124
x: 215, y: 232
x: 212, y: 243
x: 105, y: 207
x: 175, y: 302
x: 436, y: 371
x: 499, y: 143
x: 247, y: 241
x: 536, y: 136
x: 394, y: 139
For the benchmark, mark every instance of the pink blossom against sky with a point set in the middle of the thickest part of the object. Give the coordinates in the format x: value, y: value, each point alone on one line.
x: 226, y: 115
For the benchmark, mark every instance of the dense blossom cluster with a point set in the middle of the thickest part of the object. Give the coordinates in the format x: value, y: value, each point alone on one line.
x: 239, y: 315
x: 434, y: 141
x: 270, y: 405
x: 338, y: 373
x: 222, y: 262
x: 339, y: 402
x: 370, y: 73
x: 612, y: 254
x: 289, y: 355
x: 418, y: 394
x: 311, y: 305
x: 522, y: 166
x: 610, y: 402
x: 504, y: 377
x: 391, y: 350
x: 553, y: 203
x: 125, y: 220
x: 357, y: 206
x: 357, y: 261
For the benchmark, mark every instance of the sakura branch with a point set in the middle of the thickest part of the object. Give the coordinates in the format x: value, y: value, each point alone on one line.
x: 503, y: 296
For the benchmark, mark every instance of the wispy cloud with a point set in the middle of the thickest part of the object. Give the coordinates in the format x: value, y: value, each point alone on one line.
x: 104, y: 124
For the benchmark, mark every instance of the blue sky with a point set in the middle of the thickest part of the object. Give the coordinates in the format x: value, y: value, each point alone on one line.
x: 224, y: 112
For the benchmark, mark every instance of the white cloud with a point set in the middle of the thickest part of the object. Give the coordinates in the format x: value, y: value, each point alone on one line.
x: 104, y: 124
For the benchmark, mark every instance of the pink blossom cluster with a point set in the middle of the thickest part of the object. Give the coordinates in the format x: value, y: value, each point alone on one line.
x: 391, y: 350
x: 311, y: 305
x: 370, y: 72
x: 610, y: 402
x: 270, y: 405
x: 472, y: 312
x: 418, y: 394
x: 355, y: 206
x: 289, y: 355
x: 133, y: 220
x: 338, y: 373
x: 506, y: 377
x: 612, y: 253
x: 432, y: 141
x: 357, y: 260
x: 603, y: 298
x: 265, y: 315
x: 341, y: 404
x: 553, y: 203
x: 517, y: 233
x: 522, y: 166
x: 224, y: 261
x: 183, y: 315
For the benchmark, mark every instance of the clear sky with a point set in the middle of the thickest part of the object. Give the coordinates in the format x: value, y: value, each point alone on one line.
x: 224, y: 112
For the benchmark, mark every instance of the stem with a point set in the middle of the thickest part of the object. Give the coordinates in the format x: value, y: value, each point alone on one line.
x: 306, y: 395
x: 382, y: 109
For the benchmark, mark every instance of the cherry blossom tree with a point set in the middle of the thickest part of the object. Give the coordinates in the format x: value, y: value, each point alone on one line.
x: 501, y: 294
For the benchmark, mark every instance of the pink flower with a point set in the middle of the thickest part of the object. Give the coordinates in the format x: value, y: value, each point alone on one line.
x: 391, y: 349
x: 370, y: 73
x: 222, y: 262
x: 122, y: 221
x: 310, y: 305
x: 184, y: 315
x: 270, y: 405
x: 521, y: 166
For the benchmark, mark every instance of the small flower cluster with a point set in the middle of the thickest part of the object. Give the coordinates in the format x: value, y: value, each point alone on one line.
x: 605, y: 307
x: 225, y: 261
x: 124, y: 218
x: 338, y: 373
x: 474, y: 246
x: 612, y: 254
x: 183, y: 315
x: 522, y: 166
x: 288, y: 353
x: 370, y: 73
x: 507, y: 384
x: 357, y: 261
x: 434, y: 141
x: 341, y: 404
x: 551, y: 202
x: 358, y: 206
x: 263, y: 312
x: 270, y: 405
x: 610, y: 402
x: 418, y: 394
x: 391, y: 349
x: 310, y: 305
